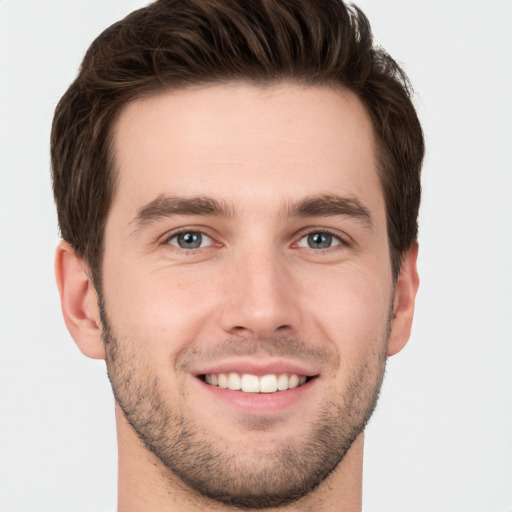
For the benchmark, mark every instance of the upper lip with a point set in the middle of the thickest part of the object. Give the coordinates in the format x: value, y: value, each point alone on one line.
x: 256, y: 367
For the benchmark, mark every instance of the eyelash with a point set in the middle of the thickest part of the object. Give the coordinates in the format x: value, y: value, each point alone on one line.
x: 167, y: 240
x: 343, y: 240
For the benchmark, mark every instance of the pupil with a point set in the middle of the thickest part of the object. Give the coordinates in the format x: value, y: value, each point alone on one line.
x: 190, y: 240
x: 319, y: 240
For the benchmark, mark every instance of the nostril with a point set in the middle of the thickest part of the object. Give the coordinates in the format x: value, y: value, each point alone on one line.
x: 238, y: 329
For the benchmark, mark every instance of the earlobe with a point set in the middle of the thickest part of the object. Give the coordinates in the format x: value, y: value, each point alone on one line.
x: 404, y: 300
x: 79, y: 302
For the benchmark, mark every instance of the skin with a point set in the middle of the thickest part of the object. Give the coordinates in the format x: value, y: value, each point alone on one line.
x: 254, y: 284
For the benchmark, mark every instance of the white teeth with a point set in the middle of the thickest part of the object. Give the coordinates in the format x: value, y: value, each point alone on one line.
x: 234, y: 381
x: 223, y: 380
x: 253, y: 384
x: 293, y: 381
x: 282, y: 382
x: 268, y: 384
x: 250, y: 383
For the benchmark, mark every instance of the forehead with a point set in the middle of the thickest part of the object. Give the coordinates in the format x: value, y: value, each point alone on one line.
x: 245, y: 144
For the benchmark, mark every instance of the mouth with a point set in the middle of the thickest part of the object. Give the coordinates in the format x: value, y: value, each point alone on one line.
x: 250, y: 383
x: 257, y: 387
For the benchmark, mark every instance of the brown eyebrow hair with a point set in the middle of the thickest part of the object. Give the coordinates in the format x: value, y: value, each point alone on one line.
x: 165, y: 206
x: 324, y: 205
x: 330, y: 205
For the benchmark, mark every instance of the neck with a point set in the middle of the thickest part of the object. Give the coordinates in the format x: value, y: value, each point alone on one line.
x: 144, y: 484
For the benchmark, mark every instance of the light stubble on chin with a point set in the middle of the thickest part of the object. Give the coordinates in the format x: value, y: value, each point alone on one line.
x: 254, y: 478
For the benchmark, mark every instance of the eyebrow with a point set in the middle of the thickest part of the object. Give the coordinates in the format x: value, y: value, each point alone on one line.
x: 331, y: 205
x: 324, y: 205
x: 167, y: 206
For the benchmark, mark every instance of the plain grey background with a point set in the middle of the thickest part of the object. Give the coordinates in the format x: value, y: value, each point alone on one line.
x: 441, y: 439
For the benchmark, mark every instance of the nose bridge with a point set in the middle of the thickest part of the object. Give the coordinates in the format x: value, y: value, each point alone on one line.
x: 260, y: 295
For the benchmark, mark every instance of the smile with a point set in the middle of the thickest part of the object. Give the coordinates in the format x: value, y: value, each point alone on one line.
x: 248, y: 383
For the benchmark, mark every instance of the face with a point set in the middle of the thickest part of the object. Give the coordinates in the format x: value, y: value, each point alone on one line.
x: 247, y: 294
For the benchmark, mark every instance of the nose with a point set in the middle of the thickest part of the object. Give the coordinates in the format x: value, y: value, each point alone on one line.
x: 260, y: 299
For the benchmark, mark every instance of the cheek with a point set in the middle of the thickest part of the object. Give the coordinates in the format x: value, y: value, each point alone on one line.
x: 352, y: 311
x: 163, y: 304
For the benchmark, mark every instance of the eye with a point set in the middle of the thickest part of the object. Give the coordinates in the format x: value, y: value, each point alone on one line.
x: 319, y: 240
x: 190, y: 240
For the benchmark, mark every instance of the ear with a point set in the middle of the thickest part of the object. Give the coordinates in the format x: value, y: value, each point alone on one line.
x: 403, y: 305
x: 79, y: 302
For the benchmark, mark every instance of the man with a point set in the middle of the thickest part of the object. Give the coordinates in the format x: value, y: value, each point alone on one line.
x: 237, y: 185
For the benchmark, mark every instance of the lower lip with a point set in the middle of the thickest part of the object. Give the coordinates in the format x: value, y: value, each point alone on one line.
x: 259, y: 402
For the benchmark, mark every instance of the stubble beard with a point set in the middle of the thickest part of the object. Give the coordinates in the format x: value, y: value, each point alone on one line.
x: 248, y: 479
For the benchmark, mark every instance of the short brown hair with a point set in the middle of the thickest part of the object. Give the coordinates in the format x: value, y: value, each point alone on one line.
x: 177, y: 43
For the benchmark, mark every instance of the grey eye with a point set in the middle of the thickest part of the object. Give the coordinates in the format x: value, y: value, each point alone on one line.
x: 190, y: 240
x: 319, y: 240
